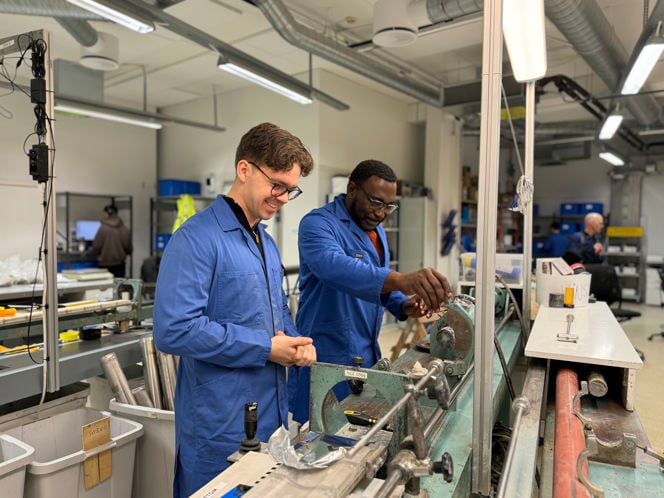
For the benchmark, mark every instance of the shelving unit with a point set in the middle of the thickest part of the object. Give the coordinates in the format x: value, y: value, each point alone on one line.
x: 163, y: 211
x: 624, y: 250
x: 391, y: 227
x: 72, y: 207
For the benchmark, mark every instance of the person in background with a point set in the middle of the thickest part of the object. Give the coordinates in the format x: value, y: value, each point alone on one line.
x: 220, y: 306
x: 112, y: 242
x: 586, y: 246
x: 346, y: 280
x: 556, y: 243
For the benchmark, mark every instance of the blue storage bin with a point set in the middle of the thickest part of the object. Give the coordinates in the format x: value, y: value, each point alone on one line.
x: 569, y: 208
x: 178, y: 187
x: 592, y: 207
x: 171, y: 187
x: 161, y: 240
x: 568, y: 228
x: 538, y: 246
x: 192, y: 188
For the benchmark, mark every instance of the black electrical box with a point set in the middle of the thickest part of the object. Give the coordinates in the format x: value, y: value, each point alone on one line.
x: 38, y: 159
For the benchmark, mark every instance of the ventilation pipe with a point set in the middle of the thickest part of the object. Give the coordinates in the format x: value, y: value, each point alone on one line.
x: 583, y: 23
x: 311, y: 41
x: 79, y: 29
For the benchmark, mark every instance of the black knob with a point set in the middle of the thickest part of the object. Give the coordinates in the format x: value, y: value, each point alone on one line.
x: 356, y: 386
x: 250, y: 443
x: 250, y: 419
x: 445, y: 467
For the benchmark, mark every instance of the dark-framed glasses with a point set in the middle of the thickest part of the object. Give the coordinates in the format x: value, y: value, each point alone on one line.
x: 388, y: 207
x: 279, y: 189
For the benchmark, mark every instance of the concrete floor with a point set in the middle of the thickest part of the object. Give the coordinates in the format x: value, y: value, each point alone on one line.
x: 649, y: 380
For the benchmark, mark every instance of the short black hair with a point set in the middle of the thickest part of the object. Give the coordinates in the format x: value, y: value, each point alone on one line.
x: 372, y: 167
x: 111, y: 209
x: 555, y: 225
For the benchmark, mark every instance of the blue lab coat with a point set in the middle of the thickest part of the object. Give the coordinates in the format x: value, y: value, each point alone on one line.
x: 217, y: 305
x: 341, y: 305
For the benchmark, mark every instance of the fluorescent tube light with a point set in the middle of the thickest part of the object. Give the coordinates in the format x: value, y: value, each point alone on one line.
x: 611, y: 123
x: 612, y: 158
x: 236, y: 70
x: 525, y: 37
x: 79, y: 111
x: 644, y: 63
x: 116, y: 14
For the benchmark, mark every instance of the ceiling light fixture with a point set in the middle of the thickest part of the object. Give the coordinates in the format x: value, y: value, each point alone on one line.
x: 91, y: 113
x: 611, y: 123
x: 641, y: 68
x: 265, y: 81
x: 117, y: 14
x: 651, y: 131
x: 612, y: 158
x: 525, y: 37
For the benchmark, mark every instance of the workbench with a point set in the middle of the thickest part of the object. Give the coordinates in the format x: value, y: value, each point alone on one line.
x: 601, y: 341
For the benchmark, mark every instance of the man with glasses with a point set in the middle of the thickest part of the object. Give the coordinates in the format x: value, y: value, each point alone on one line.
x: 220, y: 306
x: 346, y: 280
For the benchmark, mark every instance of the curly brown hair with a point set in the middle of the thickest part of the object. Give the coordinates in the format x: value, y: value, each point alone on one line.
x: 275, y: 147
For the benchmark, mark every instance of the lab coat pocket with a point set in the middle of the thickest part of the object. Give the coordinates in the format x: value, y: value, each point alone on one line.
x: 241, y: 298
x: 333, y: 338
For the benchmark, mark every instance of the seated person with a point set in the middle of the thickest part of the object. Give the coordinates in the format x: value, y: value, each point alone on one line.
x: 586, y: 246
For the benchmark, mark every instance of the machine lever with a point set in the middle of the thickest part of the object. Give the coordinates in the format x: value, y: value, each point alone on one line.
x: 445, y: 467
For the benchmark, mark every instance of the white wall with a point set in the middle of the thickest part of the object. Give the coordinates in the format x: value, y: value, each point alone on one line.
x: 92, y: 156
x: 577, y: 181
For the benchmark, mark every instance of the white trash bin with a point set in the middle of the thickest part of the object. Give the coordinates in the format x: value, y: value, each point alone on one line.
x: 15, y: 455
x: 57, y: 468
x: 155, y: 452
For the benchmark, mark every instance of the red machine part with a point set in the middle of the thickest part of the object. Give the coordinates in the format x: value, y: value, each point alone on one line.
x: 569, y: 440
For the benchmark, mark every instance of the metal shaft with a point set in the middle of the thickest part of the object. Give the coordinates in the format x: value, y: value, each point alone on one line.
x: 150, y: 371
x: 116, y: 379
x: 168, y: 376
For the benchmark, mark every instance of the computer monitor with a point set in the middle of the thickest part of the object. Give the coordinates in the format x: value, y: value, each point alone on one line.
x: 87, y: 229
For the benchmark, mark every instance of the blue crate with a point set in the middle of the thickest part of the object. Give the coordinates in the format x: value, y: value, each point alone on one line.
x: 538, y: 246
x: 161, y: 241
x: 569, y: 208
x: 568, y: 228
x: 178, y: 187
x: 591, y: 207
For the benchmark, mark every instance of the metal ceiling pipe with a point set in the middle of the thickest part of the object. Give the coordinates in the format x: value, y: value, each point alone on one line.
x: 316, y: 43
x: 45, y: 8
x: 447, y: 10
x: 79, y: 29
x: 583, y: 23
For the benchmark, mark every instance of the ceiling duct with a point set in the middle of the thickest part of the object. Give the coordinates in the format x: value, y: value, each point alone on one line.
x: 310, y: 40
x: 103, y: 55
x: 584, y: 25
x: 79, y: 29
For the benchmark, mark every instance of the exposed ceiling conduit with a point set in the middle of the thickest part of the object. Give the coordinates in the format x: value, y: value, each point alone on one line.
x: 79, y: 29
x: 46, y: 8
x: 307, y: 39
x: 583, y: 23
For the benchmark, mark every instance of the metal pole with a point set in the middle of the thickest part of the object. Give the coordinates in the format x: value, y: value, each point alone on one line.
x: 522, y: 407
x: 486, y: 247
x: 51, y: 344
x: 528, y: 215
x: 150, y: 371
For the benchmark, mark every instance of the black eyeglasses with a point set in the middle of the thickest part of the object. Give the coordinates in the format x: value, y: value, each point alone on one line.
x: 388, y: 207
x: 279, y: 189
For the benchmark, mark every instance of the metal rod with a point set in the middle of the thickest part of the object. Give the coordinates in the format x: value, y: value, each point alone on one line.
x: 436, y: 367
x: 416, y: 429
x: 116, y: 379
x: 529, y: 154
x: 390, y: 483
x: 167, y: 375
x: 150, y: 371
x: 521, y: 405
